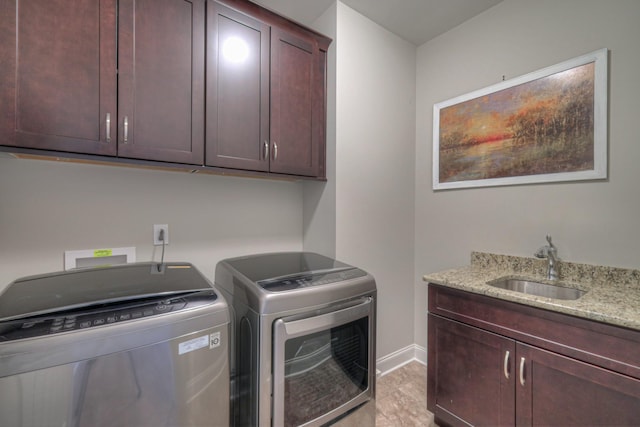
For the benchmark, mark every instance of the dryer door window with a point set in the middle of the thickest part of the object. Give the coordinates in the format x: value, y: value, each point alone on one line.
x: 322, y: 366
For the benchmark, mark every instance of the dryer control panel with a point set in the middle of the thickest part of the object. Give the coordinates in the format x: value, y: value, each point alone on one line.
x: 305, y: 280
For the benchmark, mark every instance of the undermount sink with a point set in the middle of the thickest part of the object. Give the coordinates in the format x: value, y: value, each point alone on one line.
x: 531, y: 287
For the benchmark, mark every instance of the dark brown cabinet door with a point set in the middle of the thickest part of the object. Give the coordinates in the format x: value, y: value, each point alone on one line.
x: 471, y: 375
x: 561, y: 391
x: 161, y: 80
x: 266, y: 92
x: 58, y: 75
x: 237, y: 90
x: 297, y: 105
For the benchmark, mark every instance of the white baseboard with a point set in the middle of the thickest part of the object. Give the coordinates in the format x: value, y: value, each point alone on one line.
x: 399, y: 358
x: 421, y: 354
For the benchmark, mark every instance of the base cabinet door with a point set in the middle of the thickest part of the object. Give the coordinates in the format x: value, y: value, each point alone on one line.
x: 471, y: 375
x: 557, y: 390
x: 478, y: 378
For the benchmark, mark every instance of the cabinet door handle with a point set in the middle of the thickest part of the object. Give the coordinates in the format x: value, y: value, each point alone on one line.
x: 522, y: 371
x: 275, y: 150
x: 126, y: 129
x: 505, y: 365
x: 108, y: 124
x: 265, y: 151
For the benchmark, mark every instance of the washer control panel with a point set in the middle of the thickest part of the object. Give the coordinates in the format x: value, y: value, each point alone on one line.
x: 106, y: 314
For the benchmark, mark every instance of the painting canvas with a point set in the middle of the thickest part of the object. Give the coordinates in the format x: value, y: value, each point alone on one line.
x: 550, y: 125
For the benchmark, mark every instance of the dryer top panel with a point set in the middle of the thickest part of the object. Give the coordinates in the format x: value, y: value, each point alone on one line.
x: 283, y: 281
x: 274, y: 266
x: 68, y: 290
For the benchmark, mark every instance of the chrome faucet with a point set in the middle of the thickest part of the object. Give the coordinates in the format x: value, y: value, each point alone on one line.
x: 550, y: 252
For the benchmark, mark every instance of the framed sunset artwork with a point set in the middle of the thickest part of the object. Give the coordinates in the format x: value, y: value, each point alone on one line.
x: 545, y: 126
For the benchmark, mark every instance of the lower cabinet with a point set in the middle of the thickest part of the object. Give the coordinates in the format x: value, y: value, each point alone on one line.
x: 558, y: 390
x: 481, y: 378
x: 466, y: 385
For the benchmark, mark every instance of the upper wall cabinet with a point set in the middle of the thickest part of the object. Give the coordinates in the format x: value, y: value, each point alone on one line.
x: 60, y: 81
x: 161, y: 80
x: 58, y: 75
x: 266, y: 92
x: 237, y: 90
x: 126, y: 79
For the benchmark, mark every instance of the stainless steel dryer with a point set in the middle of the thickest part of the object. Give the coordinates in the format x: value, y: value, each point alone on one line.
x: 304, y: 340
x: 134, y: 345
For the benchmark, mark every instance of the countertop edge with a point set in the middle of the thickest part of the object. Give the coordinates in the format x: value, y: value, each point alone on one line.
x: 606, y: 300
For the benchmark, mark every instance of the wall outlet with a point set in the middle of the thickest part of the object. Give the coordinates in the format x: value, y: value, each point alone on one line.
x: 157, y: 241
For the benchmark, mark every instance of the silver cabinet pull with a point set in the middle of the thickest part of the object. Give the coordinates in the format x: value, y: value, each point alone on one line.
x: 522, y: 371
x: 275, y: 150
x: 505, y: 365
x: 126, y: 129
x: 265, y: 151
x: 108, y: 123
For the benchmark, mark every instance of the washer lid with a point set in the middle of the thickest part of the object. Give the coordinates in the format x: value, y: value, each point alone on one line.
x: 57, y: 292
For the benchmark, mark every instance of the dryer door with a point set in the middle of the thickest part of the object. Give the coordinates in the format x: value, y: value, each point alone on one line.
x: 323, y: 365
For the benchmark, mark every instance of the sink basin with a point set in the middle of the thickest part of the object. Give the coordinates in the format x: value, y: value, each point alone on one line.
x: 537, y: 288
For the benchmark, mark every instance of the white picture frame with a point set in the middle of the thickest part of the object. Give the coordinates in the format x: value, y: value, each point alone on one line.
x: 546, y: 126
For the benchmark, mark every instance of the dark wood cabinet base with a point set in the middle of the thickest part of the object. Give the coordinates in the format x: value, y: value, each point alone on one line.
x: 493, y: 362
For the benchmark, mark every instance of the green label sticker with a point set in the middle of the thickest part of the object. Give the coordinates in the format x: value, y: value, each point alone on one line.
x: 102, y: 252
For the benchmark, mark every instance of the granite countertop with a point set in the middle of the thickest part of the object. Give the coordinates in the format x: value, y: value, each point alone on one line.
x: 612, y: 294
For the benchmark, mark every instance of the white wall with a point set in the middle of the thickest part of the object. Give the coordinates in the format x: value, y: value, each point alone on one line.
x: 374, y: 175
x: 48, y: 207
x: 363, y: 214
x: 591, y: 222
x: 320, y: 197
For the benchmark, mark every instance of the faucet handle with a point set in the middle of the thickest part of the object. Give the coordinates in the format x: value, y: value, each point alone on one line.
x: 544, y: 251
x: 551, y: 245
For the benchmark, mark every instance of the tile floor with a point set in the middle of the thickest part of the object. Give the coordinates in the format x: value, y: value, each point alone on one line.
x: 401, y: 398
